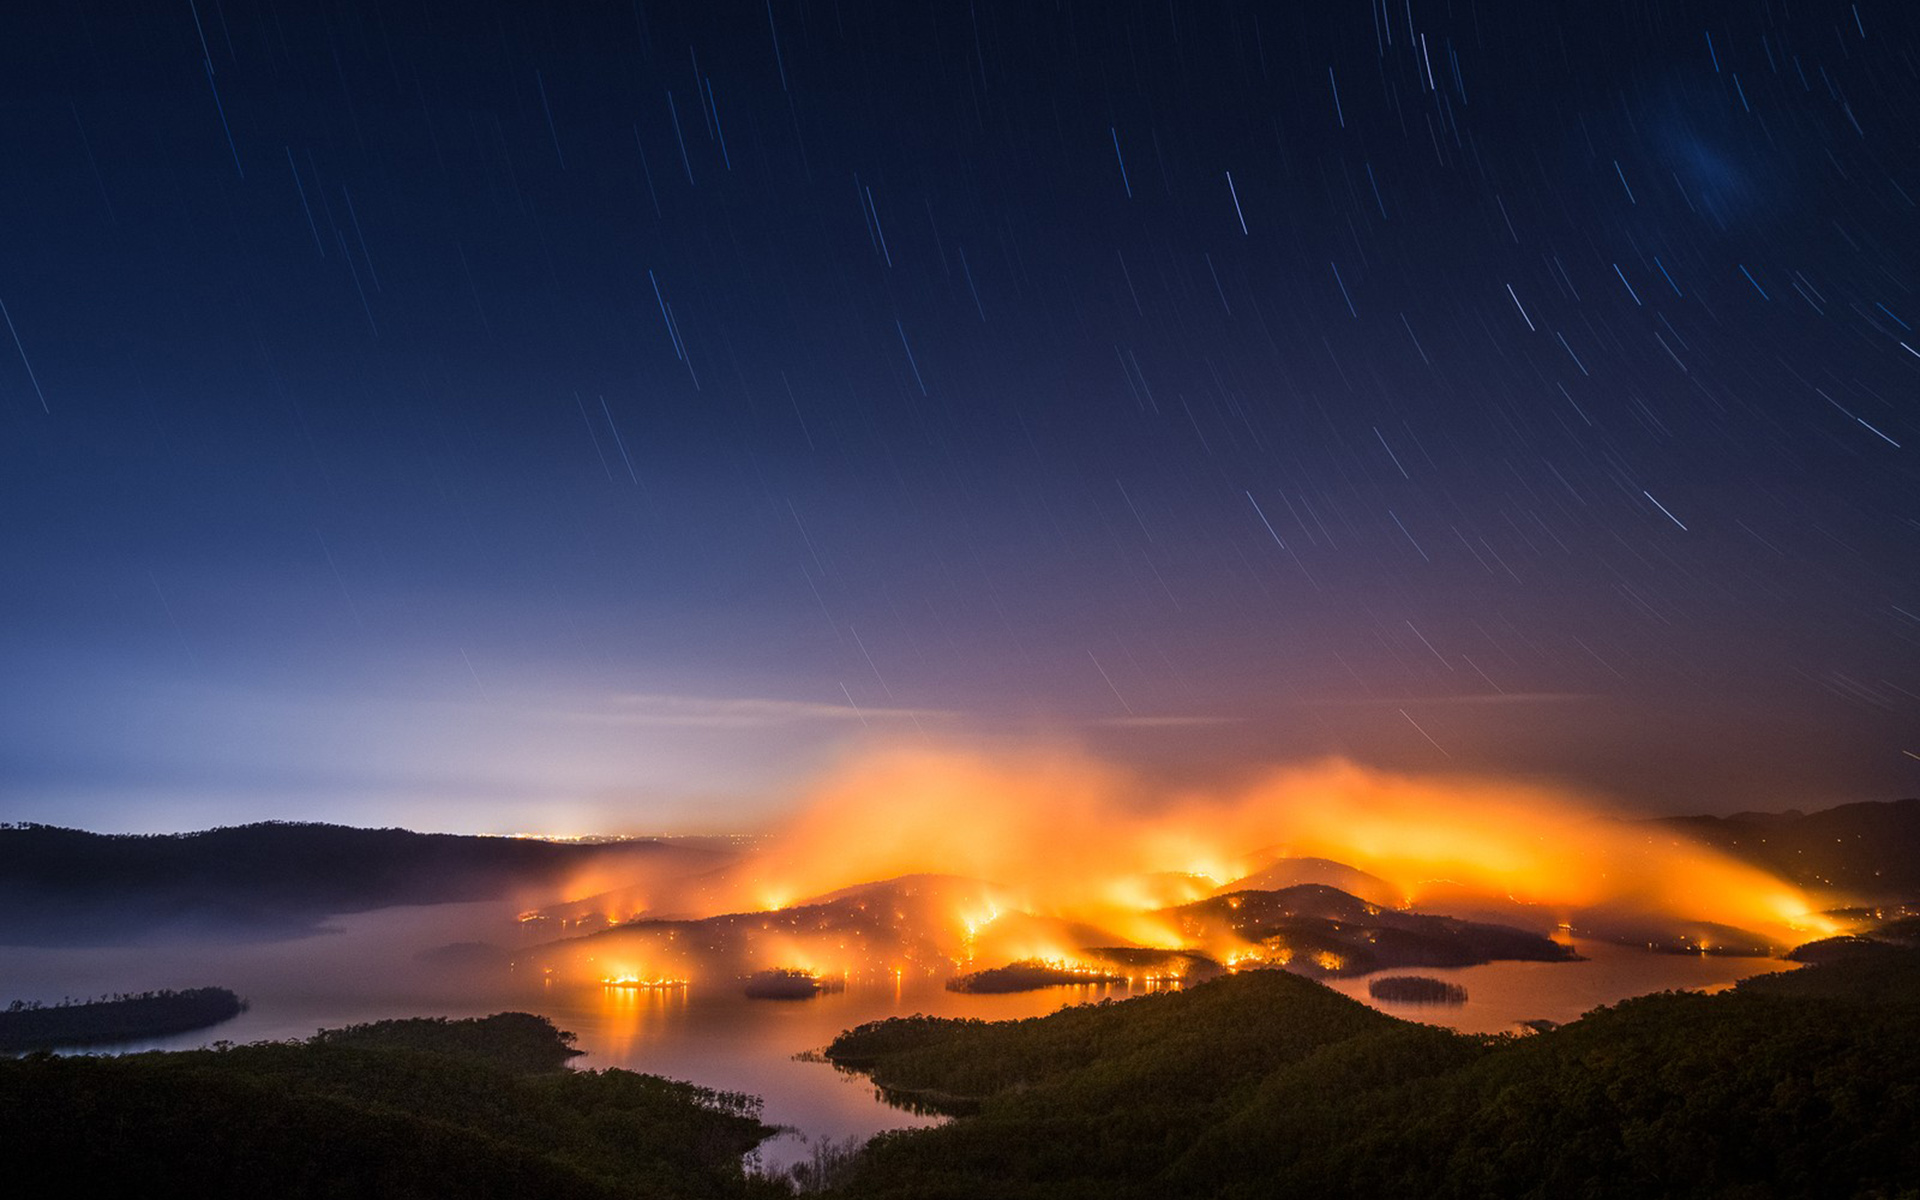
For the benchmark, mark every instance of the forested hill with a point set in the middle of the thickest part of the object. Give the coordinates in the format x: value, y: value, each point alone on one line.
x: 416, y: 1108
x: 1871, y: 850
x: 67, y: 885
x: 1266, y: 1085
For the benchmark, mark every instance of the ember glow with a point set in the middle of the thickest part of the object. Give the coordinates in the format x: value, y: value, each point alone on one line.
x: 635, y: 981
x: 950, y: 860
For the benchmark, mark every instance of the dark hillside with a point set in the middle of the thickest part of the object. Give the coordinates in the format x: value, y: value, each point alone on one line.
x: 1264, y: 1084
x: 401, y: 1109
x: 66, y: 886
x: 28, y: 1026
x: 1871, y: 850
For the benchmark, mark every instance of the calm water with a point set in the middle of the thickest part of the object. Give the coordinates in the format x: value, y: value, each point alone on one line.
x: 1502, y: 994
x: 364, y: 970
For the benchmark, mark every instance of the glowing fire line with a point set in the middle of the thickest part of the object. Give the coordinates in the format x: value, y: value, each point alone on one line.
x: 1056, y: 844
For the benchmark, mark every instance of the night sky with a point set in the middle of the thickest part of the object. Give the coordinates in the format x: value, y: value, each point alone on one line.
x: 593, y: 416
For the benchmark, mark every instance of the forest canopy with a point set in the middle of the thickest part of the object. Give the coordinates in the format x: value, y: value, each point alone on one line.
x: 426, y: 1108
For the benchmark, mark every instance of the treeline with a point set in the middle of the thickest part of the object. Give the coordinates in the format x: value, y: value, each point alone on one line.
x: 396, y: 1109
x: 67, y: 886
x: 1265, y: 1084
x: 517, y: 1041
x: 124, y: 1017
x: 332, y: 863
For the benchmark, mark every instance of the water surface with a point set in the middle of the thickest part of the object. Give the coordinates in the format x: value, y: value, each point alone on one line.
x: 364, y: 969
x: 1500, y: 995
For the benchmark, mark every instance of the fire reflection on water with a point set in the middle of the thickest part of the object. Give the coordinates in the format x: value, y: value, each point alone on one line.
x: 630, y: 1015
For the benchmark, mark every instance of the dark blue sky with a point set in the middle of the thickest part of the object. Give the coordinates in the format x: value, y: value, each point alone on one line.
x: 481, y: 416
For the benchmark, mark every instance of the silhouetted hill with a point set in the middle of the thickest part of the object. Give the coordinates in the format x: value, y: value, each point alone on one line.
x: 1290, y: 872
x: 950, y: 889
x: 67, y: 886
x: 123, y: 1018
x: 1871, y: 850
x: 1880, y: 966
x: 422, y: 1108
x: 1267, y: 1085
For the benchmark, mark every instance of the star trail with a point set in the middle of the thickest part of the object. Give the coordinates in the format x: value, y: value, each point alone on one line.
x: 463, y: 415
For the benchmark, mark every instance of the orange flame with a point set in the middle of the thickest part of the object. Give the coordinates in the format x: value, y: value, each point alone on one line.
x: 1078, y: 839
x: 1055, y: 852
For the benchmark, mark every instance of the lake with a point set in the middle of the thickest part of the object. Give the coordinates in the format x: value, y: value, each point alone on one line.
x: 363, y: 969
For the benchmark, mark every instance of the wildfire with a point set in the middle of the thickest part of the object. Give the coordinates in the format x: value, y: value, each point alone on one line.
x: 1035, y: 858
x: 643, y: 983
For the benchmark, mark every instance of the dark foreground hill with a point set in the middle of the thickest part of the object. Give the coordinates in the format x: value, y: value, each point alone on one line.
x: 1265, y: 1084
x: 425, y: 1108
x: 68, y: 886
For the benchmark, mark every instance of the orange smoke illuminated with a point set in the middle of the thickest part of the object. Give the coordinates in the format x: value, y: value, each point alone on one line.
x: 1077, y: 839
x: 1040, y: 856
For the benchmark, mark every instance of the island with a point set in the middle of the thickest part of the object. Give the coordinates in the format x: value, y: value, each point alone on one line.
x: 789, y: 983
x: 28, y: 1025
x: 1416, y: 989
x: 1028, y: 975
